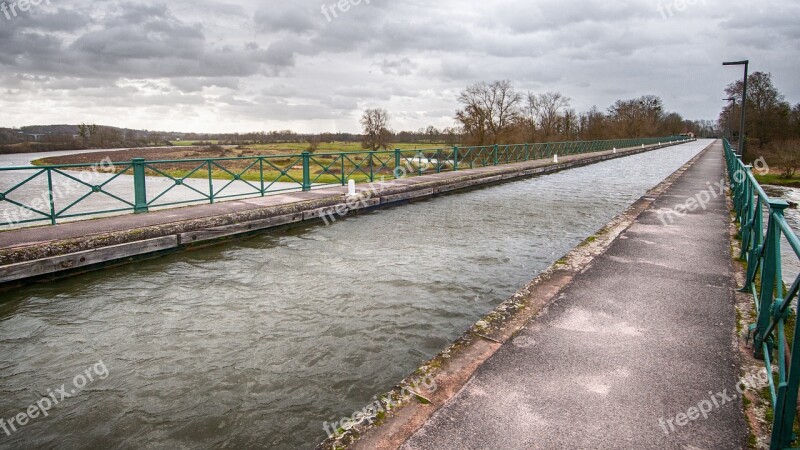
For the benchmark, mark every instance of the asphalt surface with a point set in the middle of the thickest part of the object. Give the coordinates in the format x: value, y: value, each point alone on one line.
x: 644, y: 334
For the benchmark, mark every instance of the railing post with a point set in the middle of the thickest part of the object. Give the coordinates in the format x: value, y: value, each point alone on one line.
x: 210, y: 182
x: 455, y: 158
x: 261, y: 171
x: 772, y: 259
x: 342, y: 167
x: 527, y: 153
x: 745, y: 218
x: 51, y: 202
x: 785, y: 411
x: 398, y: 172
x: 371, y: 167
x: 139, y: 186
x: 306, y: 171
x: 496, y: 154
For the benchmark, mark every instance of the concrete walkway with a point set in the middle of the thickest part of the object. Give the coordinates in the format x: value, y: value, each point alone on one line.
x: 639, y: 339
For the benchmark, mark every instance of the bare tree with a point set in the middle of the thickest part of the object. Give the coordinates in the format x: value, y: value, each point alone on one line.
x: 768, y: 111
x: 376, y: 129
x: 548, y: 112
x: 593, y: 125
x: 432, y: 134
x: 313, y: 143
x: 568, y: 127
x: 490, y: 111
x: 794, y: 120
x: 672, y: 125
x: 450, y: 135
x: 87, y: 132
x: 639, y: 117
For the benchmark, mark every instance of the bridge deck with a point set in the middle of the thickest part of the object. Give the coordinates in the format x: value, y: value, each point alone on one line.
x: 645, y: 333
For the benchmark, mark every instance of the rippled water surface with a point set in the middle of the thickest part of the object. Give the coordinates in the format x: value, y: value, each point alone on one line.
x: 256, y: 343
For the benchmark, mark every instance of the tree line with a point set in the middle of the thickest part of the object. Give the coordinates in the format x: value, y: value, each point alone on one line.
x: 497, y: 113
x: 772, y: 129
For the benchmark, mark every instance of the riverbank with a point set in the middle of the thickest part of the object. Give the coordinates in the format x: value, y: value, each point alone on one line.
x: 775, y: 179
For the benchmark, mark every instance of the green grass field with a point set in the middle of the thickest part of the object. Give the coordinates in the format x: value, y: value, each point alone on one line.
x: 254, y: 177
x: 776, y: 180
x: 325, y: 147
x: 191, y: 143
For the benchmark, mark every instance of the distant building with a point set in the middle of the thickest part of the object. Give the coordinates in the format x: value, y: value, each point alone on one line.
x: 35, y: 136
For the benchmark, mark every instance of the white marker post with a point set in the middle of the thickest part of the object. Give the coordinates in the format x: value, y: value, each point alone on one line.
x: 555, y: 159
x: 351, y: 188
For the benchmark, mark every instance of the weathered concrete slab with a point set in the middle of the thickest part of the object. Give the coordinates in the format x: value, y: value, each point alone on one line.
x: 212, y: 234
x: 394, y: 198
x: 78, y: 260
x: 643, y: 334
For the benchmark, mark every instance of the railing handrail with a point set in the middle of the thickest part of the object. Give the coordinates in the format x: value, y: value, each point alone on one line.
x: 761, y: 250
x: 666, y: 139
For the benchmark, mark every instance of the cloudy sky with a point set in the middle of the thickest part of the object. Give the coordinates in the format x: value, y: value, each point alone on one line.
x: 225, y: 66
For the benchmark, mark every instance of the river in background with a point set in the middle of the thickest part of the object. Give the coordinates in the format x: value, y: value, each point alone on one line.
x: 255, y: 343
x: 73, y: 194
x: 790, y: 261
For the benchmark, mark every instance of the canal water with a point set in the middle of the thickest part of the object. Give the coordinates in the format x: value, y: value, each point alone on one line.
x: 256, y: 343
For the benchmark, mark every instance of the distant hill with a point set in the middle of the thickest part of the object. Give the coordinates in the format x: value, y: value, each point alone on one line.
x: 40, y: 138
x: 51, y: 129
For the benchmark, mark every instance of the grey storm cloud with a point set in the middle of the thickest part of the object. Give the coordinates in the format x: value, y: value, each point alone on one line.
x: 289, y: 17
x: 268, y: 65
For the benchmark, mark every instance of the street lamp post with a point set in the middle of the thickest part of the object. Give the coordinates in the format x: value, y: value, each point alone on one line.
x: 742, y: 140
x: 732, y: 101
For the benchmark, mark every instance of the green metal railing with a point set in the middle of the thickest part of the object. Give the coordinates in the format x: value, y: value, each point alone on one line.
x: 209, y: 180
x: 776, y: 307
